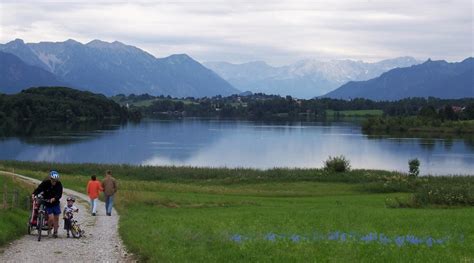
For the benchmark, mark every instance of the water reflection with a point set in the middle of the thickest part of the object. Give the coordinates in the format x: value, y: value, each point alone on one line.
x: 56, y: 132
x: 448, y: 143
x: 241, y: 144
x: 427, y: 143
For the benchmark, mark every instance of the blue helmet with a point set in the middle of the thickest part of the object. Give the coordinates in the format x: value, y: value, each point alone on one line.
x: 54, y: 175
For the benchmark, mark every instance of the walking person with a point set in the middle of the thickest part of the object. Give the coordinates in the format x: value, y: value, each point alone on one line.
x: 93, y: 190
x: 52, y: 190
x: 110, y: 188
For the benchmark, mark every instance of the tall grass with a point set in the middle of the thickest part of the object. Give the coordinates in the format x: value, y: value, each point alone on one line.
x: 13, y: 220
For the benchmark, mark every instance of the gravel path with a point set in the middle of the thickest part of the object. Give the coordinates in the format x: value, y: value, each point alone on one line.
x: 101, y: 242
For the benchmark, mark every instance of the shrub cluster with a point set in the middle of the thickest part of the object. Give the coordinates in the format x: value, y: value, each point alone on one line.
x: 438, y: 193
x: 392, y: 184
x: 400, y: 202
x: 445, y: 194
x: 337, y: 164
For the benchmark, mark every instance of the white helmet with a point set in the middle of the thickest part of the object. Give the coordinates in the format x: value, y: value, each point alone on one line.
x: 54, y: 175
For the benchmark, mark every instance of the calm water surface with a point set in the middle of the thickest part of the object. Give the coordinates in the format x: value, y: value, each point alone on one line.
x: 242, y: 144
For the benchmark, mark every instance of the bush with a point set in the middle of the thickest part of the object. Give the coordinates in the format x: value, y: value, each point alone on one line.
x: 337, y: 164
x: 439, y: 194
x: 402, y: 202
x: 414, y: 167
x: 392, y: 184
x: 445, y: 194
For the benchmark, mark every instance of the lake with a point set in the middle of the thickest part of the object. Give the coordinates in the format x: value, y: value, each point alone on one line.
x: 217, y: 143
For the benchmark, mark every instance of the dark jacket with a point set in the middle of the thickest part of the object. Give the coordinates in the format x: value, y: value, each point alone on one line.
x: 50, y: 191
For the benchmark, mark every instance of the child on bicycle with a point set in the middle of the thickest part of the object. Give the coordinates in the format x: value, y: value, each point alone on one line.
x: 67, y: 213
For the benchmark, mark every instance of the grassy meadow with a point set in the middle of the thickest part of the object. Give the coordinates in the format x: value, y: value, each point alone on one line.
x: 183, y: 214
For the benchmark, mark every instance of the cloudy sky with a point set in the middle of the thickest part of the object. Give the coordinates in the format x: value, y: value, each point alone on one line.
x: 278, y: 32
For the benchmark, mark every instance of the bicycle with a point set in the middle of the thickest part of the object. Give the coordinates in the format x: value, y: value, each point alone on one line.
x: 33, y: 219
x: 42, y: 216
x: 75, y: 229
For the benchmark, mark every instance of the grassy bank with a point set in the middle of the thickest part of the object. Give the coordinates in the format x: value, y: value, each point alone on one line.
x: 418, y: 125
x: 13, y: 220
x: 354, y: 113
x: 215, y: 215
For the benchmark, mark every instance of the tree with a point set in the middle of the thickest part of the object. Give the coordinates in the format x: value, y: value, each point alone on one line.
x: 414, y: 167
x: 428, y: 111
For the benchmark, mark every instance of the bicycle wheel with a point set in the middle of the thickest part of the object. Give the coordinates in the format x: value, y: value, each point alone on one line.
x: 75, y: 231
x: 39, y: 225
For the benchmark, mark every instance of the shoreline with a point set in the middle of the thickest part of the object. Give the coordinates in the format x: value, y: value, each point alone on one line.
x: 111, y: 166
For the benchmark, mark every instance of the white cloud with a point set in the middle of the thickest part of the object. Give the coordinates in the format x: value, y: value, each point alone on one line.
x: 274, y: 31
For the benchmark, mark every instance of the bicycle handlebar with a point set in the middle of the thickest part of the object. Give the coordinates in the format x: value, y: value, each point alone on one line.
x: 40, y: 198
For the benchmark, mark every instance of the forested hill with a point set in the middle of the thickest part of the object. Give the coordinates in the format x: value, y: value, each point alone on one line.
x: 60, y: 103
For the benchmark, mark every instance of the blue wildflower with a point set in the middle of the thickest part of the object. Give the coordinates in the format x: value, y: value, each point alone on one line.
x: 343, y: 237
x: 413, y: 240
x: 295, y: 238
x: 369, y: 237
x: 429, y: 242
x: 236, y: 238
x: 400, y: 240
x: 383, y: 239
x: 333, y: 235
x: 271, y: 237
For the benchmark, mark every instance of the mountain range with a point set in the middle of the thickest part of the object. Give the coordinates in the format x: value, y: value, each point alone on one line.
x: 432, y: 78
x: 305, y: 78
x: 111, y: 68
x: 114, y: 68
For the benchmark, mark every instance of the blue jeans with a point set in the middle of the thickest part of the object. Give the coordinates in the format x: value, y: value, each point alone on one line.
x: 109, y: 202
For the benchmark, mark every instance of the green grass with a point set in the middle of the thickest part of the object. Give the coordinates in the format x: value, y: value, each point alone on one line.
x: 188, y: 214
x: 13, y: 220
x: 355, y: 113
x: 203, y: 233
x: 12, y: 224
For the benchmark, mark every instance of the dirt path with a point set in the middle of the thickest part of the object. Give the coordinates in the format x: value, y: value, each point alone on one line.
x: 100, y: 244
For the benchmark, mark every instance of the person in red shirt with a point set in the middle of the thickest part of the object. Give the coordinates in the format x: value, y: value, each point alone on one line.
x: 94, y: 188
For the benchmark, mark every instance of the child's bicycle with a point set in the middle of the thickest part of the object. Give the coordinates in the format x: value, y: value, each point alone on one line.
x: 76, y: 230
x: 38, y: 219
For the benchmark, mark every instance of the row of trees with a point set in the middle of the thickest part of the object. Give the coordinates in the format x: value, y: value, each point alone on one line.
x: 263, y: 106
x: 59, y: 103
x: 448, y: 112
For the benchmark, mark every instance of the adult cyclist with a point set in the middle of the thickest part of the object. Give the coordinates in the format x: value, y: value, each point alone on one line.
x: 52, y: 190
